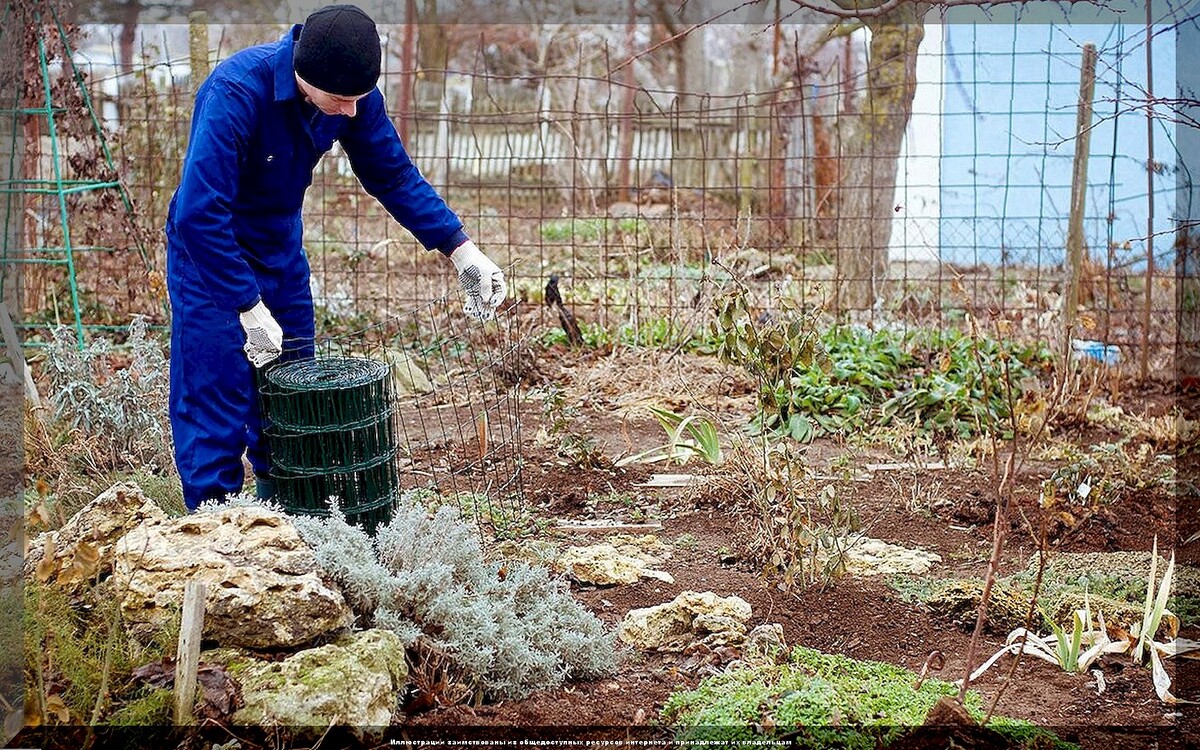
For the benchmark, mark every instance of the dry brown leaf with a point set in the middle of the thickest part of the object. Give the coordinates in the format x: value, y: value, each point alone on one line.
x: 47, y: 566
x: 33, y: 712
x: 58, y: 709
x: 158, y: 674
x: 86, y: 562
x: 220, y: 695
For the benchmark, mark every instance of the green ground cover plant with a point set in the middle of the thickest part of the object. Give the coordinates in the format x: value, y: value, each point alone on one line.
x: 819, y: 700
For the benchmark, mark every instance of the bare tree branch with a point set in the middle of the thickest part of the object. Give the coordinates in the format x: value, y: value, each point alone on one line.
x: 688, y: 30
x: 861, y: 9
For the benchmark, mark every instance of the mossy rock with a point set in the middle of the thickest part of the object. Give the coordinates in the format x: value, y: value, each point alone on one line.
x: 957, y: 601
x: 1116, y: 613
x: 1117, y: 576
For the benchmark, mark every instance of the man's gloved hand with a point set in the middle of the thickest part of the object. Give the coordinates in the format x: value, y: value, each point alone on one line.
x: 481, y: 280
x: 264, y: 337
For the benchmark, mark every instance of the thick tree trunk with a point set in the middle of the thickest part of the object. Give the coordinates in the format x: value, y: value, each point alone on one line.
x: 433, y: 47
x: 870, y: 158
x: 404, y: 100
x: 128, y: 35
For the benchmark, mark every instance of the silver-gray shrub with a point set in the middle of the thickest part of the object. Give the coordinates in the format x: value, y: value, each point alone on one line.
x: 424, y: 575
x: 123, y: 408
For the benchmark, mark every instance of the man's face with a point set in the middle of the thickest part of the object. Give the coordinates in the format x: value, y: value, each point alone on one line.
x: 330, y: 104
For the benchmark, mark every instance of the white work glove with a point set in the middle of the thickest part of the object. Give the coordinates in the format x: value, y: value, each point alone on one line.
x: 264, y: 337
x: 481, y: 279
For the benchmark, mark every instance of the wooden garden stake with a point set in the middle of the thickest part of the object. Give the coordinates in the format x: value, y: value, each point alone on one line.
x: 1083, y: 139
x: 187, y: 655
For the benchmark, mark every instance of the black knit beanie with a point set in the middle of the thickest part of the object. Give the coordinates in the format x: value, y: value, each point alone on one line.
x: 338, y: 51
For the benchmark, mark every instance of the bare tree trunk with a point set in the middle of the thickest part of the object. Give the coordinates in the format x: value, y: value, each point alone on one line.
x: 12, y: 168
x: 128, y: 35
x: 404, y: 100
x: 433, y: 48
x: 870, y: 157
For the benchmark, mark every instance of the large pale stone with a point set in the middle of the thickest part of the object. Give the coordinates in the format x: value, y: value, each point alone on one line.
x: 621, y: 559
x: 407, y: 375
x: 600, y: 564
x: 869, y: 557
x: 687, y: 617
x: 264, y: 590
x: 355, y: 682
x: 81, y: 550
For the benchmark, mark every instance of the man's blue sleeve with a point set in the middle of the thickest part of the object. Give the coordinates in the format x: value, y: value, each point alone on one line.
x: 221, y: 127
x: 386, y: 172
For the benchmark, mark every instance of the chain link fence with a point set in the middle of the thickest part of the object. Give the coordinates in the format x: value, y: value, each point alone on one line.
x: 807, y: 177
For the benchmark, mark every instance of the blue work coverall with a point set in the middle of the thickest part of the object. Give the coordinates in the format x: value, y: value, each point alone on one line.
x: 234, y: 238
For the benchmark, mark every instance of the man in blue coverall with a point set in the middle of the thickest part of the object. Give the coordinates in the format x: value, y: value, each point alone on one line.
x: 237, y: 274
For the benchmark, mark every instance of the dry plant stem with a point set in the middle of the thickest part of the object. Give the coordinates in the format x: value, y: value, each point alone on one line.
x: 1037, y: 587
x: 102, y: 693
x: 1003, y: 503
x: 999, y: 529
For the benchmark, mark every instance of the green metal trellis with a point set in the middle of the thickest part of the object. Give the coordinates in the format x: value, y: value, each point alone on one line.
x: 16, y: 189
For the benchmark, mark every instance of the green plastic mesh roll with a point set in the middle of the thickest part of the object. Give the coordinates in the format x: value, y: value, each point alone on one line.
x: 330, y: 430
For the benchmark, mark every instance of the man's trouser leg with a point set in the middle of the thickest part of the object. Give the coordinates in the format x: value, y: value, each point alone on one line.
x: 212, y: 389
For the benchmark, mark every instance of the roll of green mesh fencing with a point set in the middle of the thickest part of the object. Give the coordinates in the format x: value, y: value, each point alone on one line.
x: 329, y: 427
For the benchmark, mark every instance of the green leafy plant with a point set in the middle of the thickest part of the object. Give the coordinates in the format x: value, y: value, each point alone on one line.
x: 1067, y: 649
x: 772, y: 349
x: 686, y: 437
x: 1062, y: 648
x: 847, y: 378
x: 1154, y: 615
x: 559, y: 418
x: 590, y: 229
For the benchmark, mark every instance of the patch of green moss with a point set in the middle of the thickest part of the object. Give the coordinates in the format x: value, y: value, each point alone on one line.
x: 153, y: 708
x: 824, y: 700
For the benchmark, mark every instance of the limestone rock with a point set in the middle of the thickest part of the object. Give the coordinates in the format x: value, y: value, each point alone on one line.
x: 81, y: 550
x: 688, y: 617
x: 407, y: 375
x: 356, y: 682
x: 1118, y: 576
x: 765, y: 643
x: 869, y: 557
x: 600, y: 564
x: 957, y: 602
x: 621, y: 559
x: 264, y: 590
x: 1116, y: 613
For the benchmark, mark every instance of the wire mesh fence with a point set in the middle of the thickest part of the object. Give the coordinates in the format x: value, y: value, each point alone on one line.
x: 572, y: 152
x: 453, y: 406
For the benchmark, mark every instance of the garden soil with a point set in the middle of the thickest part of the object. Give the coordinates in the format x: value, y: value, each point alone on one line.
x: 952, y: 515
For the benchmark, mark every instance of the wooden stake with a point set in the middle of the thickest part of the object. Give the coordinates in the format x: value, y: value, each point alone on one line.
x: 198, y: 46
x: 187, y: 655
x: 1083, y: 139
x: 13, y: 344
